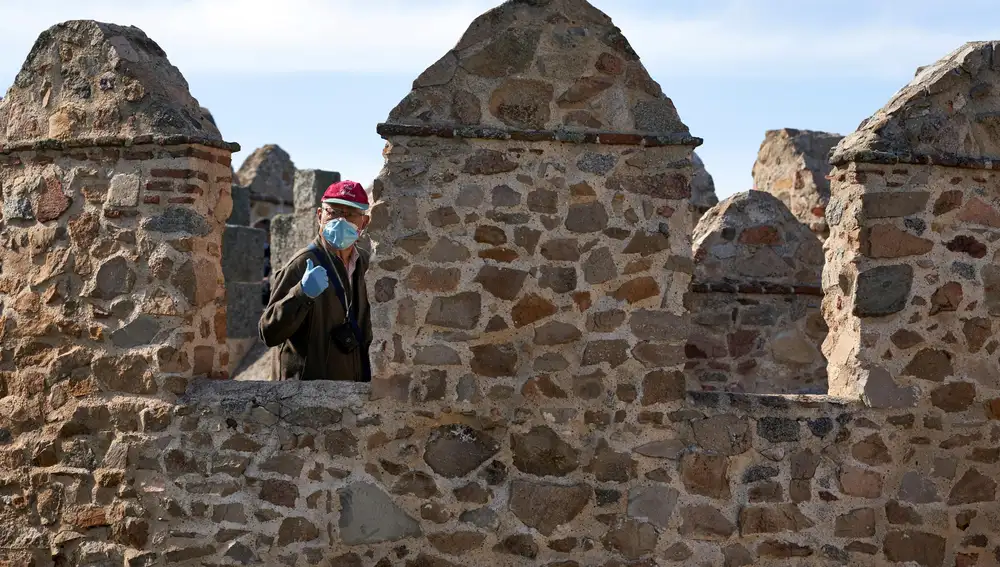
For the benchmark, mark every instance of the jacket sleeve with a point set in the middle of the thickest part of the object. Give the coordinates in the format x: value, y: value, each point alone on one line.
x: 288, y: 305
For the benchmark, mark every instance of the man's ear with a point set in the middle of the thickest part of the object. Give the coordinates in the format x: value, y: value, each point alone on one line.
x: 364, y: 222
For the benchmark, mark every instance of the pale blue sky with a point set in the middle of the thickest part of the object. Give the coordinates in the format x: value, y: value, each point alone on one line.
x: 316, y: 76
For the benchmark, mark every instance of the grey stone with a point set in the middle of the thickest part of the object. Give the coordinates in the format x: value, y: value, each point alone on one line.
x: 598, y: 164
x: 461, y: 311
x: 551, y: 362
x: 114, y: 277
x: 470, y: 196
x: 369, y: 516
x: 587, y: 218
x: 917, y: 489
x: 447, y: 250
x: 240, y: 215
x: 437, y: 355
x: 545, y: 506
x: 178, y: 219
x: 660, y: 326
x: 658, y: 116
x: 309, y: 186
x: 504, y: 196
x: 17, y: 207
x: 599, y: 267
x: 652, y: 503
x: 881, y: 391
x: 724, y: 434
x: 541, y: 452
x: 456, y: 450
x: 666, y: 449
x: 757, y: 473
x: 883, y: 290
x: 123, y: 190
x: 139, y: 332
x: 243, y: 254
x: 778, y: 429
x: 244, y: 307
x: 481, y: 517
x: 556, y: 333
x: 559, y: 280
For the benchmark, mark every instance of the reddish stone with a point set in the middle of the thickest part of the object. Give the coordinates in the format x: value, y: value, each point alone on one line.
x: 637, y: 290
x: 584, y: 89
x: 52, y: 203
x: 946, y: 298
x: 761, y: 235
x: 609, y: 64
x: 947, y: 202
x: 978, y: 212
x: 887, y: 241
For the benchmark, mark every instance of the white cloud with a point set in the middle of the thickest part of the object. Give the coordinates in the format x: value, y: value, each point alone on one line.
x: 405, y: 36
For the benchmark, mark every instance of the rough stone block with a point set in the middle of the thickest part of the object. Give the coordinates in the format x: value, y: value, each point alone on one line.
x: 244, y: 307
x: 241, y: 206
x: 243, y: 254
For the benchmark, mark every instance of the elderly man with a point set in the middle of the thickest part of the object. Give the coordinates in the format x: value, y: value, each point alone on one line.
x: 318, y: 310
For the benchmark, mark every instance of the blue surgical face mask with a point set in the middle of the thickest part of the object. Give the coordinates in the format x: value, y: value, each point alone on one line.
x: 340, y: 233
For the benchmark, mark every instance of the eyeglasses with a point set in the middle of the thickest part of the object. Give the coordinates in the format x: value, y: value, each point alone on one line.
x: 343, y: 213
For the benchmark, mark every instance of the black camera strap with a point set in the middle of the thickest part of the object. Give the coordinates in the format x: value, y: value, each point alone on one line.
x: 342, y: 296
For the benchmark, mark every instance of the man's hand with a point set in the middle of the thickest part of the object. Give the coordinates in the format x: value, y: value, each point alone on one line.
x: 314, y: 280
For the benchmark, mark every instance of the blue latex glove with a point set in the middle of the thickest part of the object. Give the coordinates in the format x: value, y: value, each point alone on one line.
x: 314, y: 280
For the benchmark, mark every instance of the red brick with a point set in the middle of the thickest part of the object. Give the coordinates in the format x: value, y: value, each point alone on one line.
x: 151, y: 199
x: 181, y: 200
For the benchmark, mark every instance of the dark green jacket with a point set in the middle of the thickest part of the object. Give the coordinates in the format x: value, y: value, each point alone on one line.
x: 301, y: 327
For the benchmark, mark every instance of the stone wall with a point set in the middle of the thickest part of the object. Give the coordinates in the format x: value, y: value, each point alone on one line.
x: 520, y: 258
x: 793, y: 166
x: 755, y: 300
x: 115, y: 188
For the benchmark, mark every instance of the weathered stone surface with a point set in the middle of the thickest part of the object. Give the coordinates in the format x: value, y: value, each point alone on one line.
x: 705, y: 474
x: 494, y: 360
x: 630, y: 538
x: 269, y: 173
x: 766, y: 520
x: 883, y: 290
x: 522, y: 103
x: 705, y: 523
x: 921, y: 548
x: 545, y: 507
x: 654, y: 504
x: 460, y: 311
x: 974, y: 486
x: 587, y: 218
x: 456, y: 543
x: 368, y: 516
x: 792, y: 165
x: 542, y: 452
x: 456, y: 450
x: 607, y: 465
x: 724, y: 434
x: 702, y: 187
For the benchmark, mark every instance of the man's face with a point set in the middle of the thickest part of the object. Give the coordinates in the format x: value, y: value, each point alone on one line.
x: 328, y: 212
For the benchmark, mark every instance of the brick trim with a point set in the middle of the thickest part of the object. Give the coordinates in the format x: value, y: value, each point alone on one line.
x: 889, y: 158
